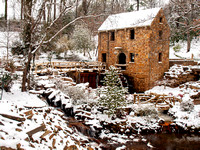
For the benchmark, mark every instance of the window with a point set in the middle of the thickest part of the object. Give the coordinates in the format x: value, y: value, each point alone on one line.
x: 103, y: 57
x: 160, y: 34
x: 161, y: 19
x: 132, y: 34
x: 132, y: 57
x: 160, y: 57
x: 122, y: 58
x: 112, y: 36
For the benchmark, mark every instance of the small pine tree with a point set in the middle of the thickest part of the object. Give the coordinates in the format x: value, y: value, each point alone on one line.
x: 112, y: 95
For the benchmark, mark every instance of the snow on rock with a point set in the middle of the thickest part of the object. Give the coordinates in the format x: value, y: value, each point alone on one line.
x: 177, y: 70
x: 54, y: 133
x: 188, y: 120
x: 184, y: 91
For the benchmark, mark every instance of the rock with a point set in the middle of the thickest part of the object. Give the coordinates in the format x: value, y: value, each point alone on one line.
x: 27, y: 113
x: 72, y: 147
x: 27, y: 139
x: 67, y: 79
x: 6, y: 148
x: 30, y: 117
x: 51, y: 136
x: 19, y: 146
x: 80, y: 127
x: 19, y: 130
x: 53, y: 143
x: 1, y: 123
x: 59, y: 128
x: 69, y: 111
x: 48, y: 111
x: 13, y: 117
x: 46, y: 133
x: 40, y: 128
x: 36, y: 92
x: 195, y: 96
x: 31, y: 145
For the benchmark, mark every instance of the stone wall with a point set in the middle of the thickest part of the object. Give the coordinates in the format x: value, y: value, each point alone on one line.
x: 177, y: 75
x: 183, y: 62
x: 145, y: 46
x: 159, y: 44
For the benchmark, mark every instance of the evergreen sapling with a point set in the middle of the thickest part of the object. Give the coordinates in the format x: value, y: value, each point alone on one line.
x: 112, y: 95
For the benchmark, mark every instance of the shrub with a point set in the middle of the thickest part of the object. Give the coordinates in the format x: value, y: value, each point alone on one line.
x: 145, y: 110
x: 177, y: 48
x: 9, y: 66
x: 6, y: 81
x: 77, y: 94
x: 187, y: 105
x: 18, y: 48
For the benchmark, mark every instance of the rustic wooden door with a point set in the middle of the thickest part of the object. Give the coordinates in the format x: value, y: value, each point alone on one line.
x: 90, y: 77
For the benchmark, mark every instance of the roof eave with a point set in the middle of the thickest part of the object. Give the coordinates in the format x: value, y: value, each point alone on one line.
x: 124, y: 28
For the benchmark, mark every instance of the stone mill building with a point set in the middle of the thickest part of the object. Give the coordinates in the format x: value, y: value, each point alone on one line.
x: 138, y: 43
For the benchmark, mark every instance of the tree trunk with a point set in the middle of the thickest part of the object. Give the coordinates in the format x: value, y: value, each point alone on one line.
x: 84, y: 6
x: 22, y: 9
x: 28, y: 42
x: 104, y: 5
x: 112, y: 6
x: 26, y: 72
x: 49, y: 12
x: 89, y: 54
x: 188, y: 41
x: 138, y: 5
x: 54, y: 17
x: 76, y: 8
x: 6, y: 9
x: 44, y: 14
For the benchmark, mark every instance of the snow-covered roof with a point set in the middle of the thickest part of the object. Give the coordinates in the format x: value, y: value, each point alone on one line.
x: 129, y: 19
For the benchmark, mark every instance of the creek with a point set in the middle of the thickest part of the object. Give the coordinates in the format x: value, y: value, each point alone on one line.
x: 165, y: 141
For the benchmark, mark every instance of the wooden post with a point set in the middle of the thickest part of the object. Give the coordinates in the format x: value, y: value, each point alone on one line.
x: 134, y: 99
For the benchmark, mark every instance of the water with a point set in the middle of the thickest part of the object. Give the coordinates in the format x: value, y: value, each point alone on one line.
x: 168, y: 141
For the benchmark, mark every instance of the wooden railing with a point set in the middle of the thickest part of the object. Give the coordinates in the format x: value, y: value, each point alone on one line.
x: 67, y: 66
x: 155, y: 99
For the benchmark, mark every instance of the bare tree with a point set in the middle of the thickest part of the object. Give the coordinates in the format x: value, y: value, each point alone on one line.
x: 31, y: 40
x: 184, y: 18
x: 5, y: 42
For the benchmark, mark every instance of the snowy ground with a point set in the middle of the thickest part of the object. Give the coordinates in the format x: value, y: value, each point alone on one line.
x: 35, y: 113
x: 194, y: 51
x: 185, y: 119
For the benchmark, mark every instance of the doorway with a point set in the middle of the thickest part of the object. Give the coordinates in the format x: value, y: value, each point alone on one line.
x: 122, y: 58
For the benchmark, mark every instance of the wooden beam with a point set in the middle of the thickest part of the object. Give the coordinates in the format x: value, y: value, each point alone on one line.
x: 40, y: 128
x: 13, y: 117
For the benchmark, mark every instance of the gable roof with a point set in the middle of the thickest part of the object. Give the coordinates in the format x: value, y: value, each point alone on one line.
x: 129, y: 19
